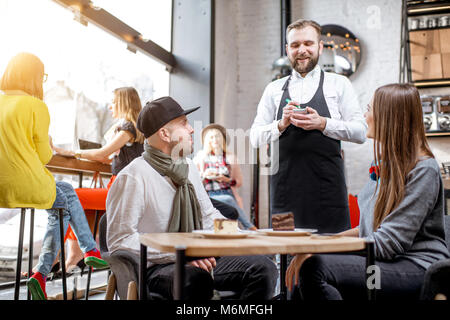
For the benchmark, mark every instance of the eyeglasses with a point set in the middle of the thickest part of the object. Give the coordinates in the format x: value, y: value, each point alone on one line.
x: 369, y: 108
x: 45, y: 77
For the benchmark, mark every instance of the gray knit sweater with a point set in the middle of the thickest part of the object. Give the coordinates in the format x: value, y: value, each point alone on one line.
x: 415, y: 229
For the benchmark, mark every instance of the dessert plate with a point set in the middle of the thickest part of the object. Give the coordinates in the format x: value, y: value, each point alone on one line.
x: 287, y: 233
x: 209, y: 234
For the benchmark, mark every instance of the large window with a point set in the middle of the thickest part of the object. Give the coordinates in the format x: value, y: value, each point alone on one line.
x: 85, y: 64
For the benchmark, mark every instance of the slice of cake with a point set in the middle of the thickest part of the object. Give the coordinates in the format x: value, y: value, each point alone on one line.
x: 283, y: 222
x: 225, y: 226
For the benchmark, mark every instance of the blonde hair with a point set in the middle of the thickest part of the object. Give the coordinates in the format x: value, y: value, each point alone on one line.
x: 399, y: 139
x: 223, y: 132
x: 128, y: 105
x: 24, y: 72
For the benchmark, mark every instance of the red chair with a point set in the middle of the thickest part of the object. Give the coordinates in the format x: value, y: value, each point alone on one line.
x: 93, y: 201
x: 354, y: 210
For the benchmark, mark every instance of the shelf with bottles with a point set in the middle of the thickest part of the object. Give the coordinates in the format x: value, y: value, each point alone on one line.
x: 436, y: 114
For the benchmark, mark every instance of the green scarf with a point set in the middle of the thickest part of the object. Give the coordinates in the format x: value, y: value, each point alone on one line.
x: 186, y: 214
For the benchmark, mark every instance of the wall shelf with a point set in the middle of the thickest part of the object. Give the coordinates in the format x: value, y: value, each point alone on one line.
x: 428, y: 29
x: 437, y: 134
x: 432, y: 83
x: 417, y: 7
x: 423, y: 61
x: 425, y: 9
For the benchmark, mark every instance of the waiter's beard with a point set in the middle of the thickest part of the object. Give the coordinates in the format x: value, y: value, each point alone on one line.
x: 304, y: 68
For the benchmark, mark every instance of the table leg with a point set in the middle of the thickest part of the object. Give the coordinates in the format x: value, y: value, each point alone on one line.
x: 370, y: 261
x: 80, y: 180
x: 142, y: 271
x: 283, y: 267
x: 178, y: 284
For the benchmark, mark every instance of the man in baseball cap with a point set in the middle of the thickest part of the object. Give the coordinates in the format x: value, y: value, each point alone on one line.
x: 162, y: 192
x: 164, y: 124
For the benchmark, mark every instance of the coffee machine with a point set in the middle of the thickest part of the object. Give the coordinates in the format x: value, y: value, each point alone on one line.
x: 443, y: 113
x: 429, y: 116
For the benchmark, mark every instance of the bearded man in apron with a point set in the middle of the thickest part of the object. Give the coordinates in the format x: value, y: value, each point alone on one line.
x: 309, y: 180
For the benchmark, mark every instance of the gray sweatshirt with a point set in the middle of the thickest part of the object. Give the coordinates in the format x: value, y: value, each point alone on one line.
x: 415, y: 229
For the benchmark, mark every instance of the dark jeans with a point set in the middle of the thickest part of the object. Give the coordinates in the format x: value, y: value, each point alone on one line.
x: 337, y: 277
x: 252, y: 277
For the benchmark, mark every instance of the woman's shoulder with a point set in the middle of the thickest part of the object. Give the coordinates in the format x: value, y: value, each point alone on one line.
x: 126, y: 125
x: 427, y: 168
x: 31, y: 102
x: 427, y: 163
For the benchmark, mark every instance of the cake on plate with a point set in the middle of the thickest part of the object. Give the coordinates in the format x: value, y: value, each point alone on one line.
x: 283, y: 222
x: 225, y: 226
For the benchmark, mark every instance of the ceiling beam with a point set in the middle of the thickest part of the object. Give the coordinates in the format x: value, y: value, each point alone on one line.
x: 106, y: 21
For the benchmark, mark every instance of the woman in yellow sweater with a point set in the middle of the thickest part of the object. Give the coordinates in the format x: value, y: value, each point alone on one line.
x: 24, y: 151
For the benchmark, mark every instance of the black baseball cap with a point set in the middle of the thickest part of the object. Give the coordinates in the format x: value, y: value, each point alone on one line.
x: 157, y: 113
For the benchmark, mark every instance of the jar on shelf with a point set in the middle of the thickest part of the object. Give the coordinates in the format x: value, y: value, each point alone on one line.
x: 443, y: 21
x: 432, y: 22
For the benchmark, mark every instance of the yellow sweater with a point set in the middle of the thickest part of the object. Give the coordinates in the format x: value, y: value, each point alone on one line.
x: 24, y: 151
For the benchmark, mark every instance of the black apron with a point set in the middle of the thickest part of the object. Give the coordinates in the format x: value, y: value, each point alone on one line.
x: 310, y: 179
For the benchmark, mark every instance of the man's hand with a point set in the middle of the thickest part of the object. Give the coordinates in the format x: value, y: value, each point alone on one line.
x: 206, y: 264
x: 293, y: 270
x: 285, y: 121
x: 310, y: 121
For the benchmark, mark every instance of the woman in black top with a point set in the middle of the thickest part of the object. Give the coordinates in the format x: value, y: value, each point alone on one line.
x: 124, y: 144
x: 125, y: 141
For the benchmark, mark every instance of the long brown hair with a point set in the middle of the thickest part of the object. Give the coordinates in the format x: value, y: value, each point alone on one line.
x: 24, y: 72
x: 399, y: 139
x: 128, y: 105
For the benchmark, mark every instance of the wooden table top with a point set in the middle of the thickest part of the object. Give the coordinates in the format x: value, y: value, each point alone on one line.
x: 61, y: 164
x: 252, y: 245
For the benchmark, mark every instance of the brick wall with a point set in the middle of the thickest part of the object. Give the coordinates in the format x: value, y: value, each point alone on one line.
x: 247, y: 43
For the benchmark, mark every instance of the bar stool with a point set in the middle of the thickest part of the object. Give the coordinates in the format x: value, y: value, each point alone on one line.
x: 30, y: 252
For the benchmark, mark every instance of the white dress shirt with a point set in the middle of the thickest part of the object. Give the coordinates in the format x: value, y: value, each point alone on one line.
x: 347, y: 120
x: 140, y: 201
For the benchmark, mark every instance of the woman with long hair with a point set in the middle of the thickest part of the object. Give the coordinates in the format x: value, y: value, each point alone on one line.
x: 124, y: 144
x: 220, y: 171
x: 24, y: 180
x: 402, y: 210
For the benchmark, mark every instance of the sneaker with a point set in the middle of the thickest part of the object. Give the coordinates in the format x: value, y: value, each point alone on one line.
x: 92, y: 258
x: 36, y: 284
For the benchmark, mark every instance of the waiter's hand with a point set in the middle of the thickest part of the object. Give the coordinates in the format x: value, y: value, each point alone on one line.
x: 285, y: 120
x: 310, y: 121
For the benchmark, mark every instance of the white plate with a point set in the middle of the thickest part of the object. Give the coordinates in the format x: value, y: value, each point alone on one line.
x: 288, y: 233
x: 209, y: 234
